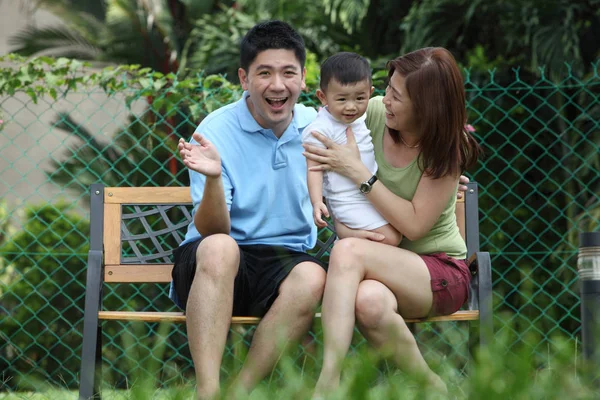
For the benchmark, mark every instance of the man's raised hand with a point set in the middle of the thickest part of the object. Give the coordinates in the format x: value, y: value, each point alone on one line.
x: 201, y: 157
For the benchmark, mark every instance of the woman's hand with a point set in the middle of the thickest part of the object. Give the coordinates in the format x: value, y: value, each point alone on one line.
x: 343, y: 159
x: 462, y: 188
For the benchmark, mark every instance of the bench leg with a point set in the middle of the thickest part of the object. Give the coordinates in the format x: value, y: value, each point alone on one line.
x: 481, y: 333
x: 474, y: 343
x: 91, y: 351
x: 98, y: 363
x: 486, y: 318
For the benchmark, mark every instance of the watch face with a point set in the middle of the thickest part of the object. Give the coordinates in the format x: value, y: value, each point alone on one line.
x: 365, y: 187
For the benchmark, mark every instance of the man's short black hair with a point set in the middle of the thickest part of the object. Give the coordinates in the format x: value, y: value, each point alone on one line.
x: 271, y: 35
x: 346, y: 68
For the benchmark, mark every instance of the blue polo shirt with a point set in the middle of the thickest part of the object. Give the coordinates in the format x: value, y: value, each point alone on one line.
x: 264, y: 178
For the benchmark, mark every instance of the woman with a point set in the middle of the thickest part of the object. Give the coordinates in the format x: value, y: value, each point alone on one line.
x: 421, y: 149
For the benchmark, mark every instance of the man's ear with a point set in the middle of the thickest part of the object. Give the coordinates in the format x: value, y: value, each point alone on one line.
x: 243, y: 78
x: 321, y: 96
x: 303, y: 84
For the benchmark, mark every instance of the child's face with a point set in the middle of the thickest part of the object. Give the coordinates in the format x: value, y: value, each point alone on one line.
x: 346, y: 103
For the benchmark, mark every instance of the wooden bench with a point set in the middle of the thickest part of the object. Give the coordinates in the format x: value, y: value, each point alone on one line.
x: 133, y: 232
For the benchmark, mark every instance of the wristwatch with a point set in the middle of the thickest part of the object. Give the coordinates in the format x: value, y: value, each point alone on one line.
x: 366, y: 186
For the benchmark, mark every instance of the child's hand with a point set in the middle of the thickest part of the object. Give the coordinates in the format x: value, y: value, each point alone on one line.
x: 320, y: 209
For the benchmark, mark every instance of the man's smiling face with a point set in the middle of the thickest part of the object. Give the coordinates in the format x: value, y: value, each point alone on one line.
x: 274, y: 81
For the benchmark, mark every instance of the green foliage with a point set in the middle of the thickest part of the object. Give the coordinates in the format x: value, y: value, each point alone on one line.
x: 494, y: 374
x: 151, y: 34
x: 137, y: 156
x: 38, y: 76
x: 532, y: 33
x: 2, y: 121
x: 214, y: 42
x: 42, y: 284
x: 144, y: 151
x: 4, y: 221
x: 174, y: 35
x: 313, y: 70
x: 349, y: 12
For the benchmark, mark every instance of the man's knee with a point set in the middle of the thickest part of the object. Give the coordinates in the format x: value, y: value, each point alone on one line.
x: 373, y: 302
x: 218, y: 257
x: 304, y: 285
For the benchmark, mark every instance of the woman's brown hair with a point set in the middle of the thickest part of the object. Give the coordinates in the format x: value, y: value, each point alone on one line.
x: 436, y: 89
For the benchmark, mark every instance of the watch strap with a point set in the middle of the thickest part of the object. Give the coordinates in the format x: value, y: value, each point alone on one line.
x: 372, y: 180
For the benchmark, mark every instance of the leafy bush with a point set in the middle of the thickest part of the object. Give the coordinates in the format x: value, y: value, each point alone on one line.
x: 42, y: 285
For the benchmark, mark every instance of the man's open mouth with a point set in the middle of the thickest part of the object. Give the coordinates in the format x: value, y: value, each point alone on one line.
x: 276, y: 102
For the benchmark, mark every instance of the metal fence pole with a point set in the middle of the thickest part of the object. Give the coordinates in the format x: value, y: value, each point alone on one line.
x: 588, y: 264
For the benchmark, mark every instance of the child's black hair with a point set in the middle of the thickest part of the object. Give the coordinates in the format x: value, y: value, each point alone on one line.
x: 346, y: 68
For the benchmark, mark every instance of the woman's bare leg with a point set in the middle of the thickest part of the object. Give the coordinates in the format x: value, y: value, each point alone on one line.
x: 378, y: 320
x: 352, y: 261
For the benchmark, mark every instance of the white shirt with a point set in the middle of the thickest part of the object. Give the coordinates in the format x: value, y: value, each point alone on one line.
x: 336, y: 186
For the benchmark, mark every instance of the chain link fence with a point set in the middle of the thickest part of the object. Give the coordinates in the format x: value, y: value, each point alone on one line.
x: 539, y: 186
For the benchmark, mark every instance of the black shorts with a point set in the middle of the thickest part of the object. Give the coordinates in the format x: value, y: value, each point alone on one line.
x: 262, y: 269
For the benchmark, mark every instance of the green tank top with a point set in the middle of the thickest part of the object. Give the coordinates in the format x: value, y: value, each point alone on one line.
x: 444, y: 236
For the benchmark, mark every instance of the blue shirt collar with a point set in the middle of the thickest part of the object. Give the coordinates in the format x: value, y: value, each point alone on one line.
x: 247, y: 121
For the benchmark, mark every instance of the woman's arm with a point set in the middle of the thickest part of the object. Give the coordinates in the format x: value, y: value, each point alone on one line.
x: 411, y: 218
x: 342, y: 231
x: 414, y: 219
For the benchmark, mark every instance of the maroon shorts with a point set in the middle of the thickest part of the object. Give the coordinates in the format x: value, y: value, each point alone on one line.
x: 450, y: 279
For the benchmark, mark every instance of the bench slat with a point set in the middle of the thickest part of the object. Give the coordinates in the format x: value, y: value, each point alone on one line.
x: 155, y: 195
x: 112, y: 234
x: 151, y: 316
x: 148, y: 195
x: 138, y: 273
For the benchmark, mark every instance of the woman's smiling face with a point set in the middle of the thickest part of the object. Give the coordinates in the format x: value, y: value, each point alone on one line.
x: 400, y: 114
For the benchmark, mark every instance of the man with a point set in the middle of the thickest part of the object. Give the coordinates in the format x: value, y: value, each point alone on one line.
x: 244, y: 253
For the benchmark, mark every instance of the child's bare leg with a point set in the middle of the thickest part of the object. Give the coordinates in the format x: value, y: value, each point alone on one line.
x: 392, y: 236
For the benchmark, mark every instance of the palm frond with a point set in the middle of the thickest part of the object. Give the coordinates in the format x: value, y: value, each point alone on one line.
x: 349, y: 13
x: 213, y: 45
x: 57, y: 41
x: 65, y: 122
x: 58, y: 7
x: 436, y: 23
x: 555, y: 44
x: 141, y: 33
x: 195, y: 9
x: 136, y: 156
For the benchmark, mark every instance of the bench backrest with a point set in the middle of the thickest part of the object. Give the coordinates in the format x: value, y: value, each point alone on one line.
x: 137, y: 229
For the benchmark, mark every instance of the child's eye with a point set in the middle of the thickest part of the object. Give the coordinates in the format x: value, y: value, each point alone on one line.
x: 342, y: 99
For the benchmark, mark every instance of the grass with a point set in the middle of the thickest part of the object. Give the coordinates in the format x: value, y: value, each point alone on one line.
x: 495, y: 374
